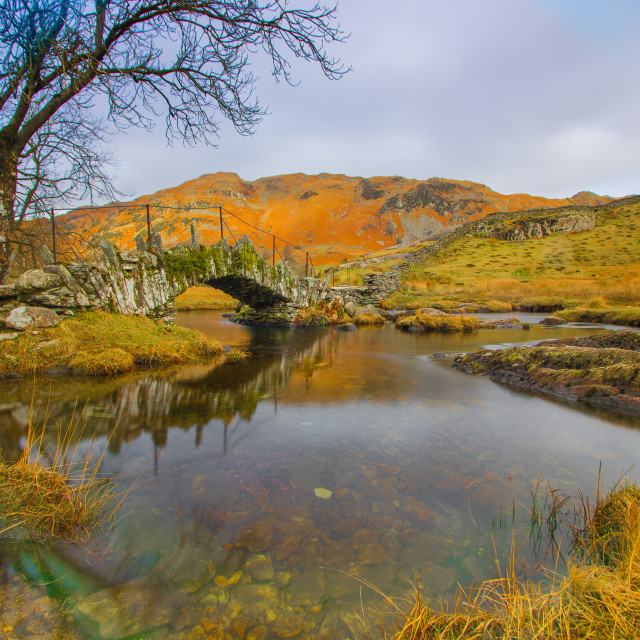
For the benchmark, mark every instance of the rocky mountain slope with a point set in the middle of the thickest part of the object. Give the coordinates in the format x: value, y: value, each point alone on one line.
x: 335, y: 216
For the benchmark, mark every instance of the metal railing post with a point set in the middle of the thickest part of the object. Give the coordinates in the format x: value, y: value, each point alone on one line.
x: 148, y: 228
x: 53, y: 233
x: 306, y: 267
x: 273, y: 262
x: 221, y: 229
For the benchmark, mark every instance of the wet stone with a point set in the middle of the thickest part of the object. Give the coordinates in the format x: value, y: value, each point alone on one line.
x: 257, y: 633
x: 307, y: 588
x: 186, y: 568
x: 132, y: 607
x: 259, y: 567
x: 288, y: 624
x: 257, y: 537
x: 256, y: 602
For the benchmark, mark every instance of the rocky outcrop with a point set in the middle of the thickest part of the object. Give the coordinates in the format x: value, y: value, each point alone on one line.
x: 601, y: 370
x: 535, y: 227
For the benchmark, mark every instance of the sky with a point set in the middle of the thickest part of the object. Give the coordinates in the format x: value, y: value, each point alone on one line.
x: 525, y: 96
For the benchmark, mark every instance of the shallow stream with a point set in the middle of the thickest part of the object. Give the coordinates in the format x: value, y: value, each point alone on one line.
x: 268, y: 495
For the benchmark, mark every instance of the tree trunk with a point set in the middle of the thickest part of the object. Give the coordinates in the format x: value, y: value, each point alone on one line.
x: 8, y: 177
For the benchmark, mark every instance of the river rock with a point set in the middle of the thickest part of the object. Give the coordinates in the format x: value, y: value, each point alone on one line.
x: 256, y: 602
x: 36, y: 280
x: 552, y: 321
x: 132, y: 607
x: 22, y: 318
x: 430, y: 311
x: 367, y: 310
x: 345, y: 327
x: 259, y: 567
x: 185, y: 568
x: 288, y: 624
x: 307, y: 588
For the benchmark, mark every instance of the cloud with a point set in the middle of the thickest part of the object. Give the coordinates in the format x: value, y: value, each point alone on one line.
x: 512, y: 93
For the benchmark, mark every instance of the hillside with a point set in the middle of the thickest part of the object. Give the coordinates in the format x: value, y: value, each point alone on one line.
x: 336, y: 216
x: 599, y: 266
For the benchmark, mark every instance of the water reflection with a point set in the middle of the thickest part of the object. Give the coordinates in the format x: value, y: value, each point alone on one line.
x: 358, y: 451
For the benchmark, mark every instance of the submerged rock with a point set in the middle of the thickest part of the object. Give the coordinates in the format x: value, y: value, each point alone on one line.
x: 132, y: 607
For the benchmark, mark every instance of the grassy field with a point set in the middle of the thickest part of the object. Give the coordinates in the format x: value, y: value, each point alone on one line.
x: 597, y: 268
x: 205, y: 298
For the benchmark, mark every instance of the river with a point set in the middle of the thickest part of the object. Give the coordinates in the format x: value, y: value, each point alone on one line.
x: 268, y: 497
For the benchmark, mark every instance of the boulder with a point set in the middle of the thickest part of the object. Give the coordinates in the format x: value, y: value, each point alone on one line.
x: 430, y: 311
x: 23, y: 318
x: 552, y: 321
x: 36, y: 280
x: 367, y: 310
x: 131, y: 608
x: 350, y: 308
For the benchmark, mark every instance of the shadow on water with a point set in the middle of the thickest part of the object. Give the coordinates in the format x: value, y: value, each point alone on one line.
x: 359, y: 451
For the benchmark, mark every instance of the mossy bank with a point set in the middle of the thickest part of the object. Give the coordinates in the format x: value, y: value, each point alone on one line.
x: 601, y: 370
x: 101, y: 343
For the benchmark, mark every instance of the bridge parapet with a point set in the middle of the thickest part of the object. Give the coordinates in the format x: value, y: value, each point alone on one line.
x: 146, y: 282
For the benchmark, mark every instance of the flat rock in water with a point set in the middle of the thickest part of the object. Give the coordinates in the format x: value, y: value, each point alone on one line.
x: 552, y: 321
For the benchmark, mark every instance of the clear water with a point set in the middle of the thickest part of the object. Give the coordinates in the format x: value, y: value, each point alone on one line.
x: 268, y: 495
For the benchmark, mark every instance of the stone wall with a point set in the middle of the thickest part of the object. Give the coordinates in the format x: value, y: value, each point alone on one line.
x: 146, y: 282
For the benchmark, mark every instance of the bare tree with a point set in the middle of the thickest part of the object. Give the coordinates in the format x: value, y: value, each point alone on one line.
x: 186, y: 60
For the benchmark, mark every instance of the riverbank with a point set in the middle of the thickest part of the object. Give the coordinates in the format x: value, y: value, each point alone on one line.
x: 98, y: 343
x: 601, y: 370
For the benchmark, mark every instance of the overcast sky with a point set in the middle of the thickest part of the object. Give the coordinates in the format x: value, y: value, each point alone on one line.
x: 533, y: 96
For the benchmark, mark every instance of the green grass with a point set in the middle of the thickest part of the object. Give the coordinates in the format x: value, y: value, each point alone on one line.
x: 100, y: 343
x: 629, y: 316
x: 601, y: 263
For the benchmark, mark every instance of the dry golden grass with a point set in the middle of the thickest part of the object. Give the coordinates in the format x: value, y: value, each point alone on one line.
x: 100, y: 343
x: 205, y: 298
x: 441, y: 324
x: 51, y: 491
x: 598, y: 598
x: 368, y: 320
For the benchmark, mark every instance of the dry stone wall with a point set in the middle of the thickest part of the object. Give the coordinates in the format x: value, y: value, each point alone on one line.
x: 146, y: 282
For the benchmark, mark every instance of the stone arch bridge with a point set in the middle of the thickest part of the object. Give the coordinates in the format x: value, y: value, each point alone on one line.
x: 146, y: 282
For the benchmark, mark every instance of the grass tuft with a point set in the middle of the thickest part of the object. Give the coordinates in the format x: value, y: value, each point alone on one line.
x: 52, y: 492
x: 599, y: 597
x: 442, y: 324
x: 367, y: 320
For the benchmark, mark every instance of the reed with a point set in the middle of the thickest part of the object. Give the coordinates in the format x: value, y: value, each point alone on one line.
x: 52, y: 491
x: 597, y: 597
